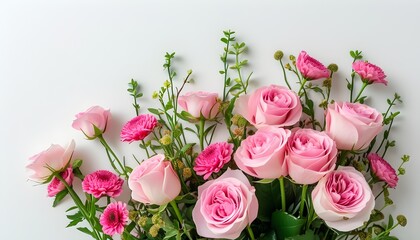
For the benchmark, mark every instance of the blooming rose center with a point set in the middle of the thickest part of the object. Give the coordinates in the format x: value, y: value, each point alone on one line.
x: 305, y: 145
x: 343, y: 190
x: 277, y: 98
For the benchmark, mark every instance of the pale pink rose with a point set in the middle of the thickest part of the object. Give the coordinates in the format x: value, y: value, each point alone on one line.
x: 270, y: 106
x: 310, y: 155
x: 225, y: 206
x: 262, y: 155
x: 352, y: 125
x: 200, y: 104
x: 102, y: 183
x: 55, y: 159
x: 57, y: 186
x: 114, y: 218
x: 369, y: 72
x: 343, y: 199
x: 212, y: 159
x: 383, y: 170
x: 154, y: 181
x: 310, y: 68
x: 138, y: 128
x: 94, y: 117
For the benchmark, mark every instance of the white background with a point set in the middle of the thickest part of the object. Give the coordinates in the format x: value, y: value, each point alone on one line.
x: 58, y: 58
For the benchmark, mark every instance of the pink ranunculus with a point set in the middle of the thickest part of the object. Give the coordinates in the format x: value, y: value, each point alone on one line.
x: 262, y: 155
x: 270, y: 106
x: 154, y: 181
x: 383, y: 170
x: 310, y: 155
x: 55, y: 159
x: 225, y: 206
x: 94, y: 117
x: 102, y: 183
x: 57, y: 186
x: 369, y: 72
x: 200, y: 104
x: 114, y: 218
x: 213, y: 158
x: 352, y: 125
x: 138, y: 128
x: 311, y: 68
x: 343, y: 199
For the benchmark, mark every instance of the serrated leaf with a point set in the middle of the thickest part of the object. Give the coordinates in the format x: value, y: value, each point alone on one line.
x: 74, y: 222
x: 60, y: 197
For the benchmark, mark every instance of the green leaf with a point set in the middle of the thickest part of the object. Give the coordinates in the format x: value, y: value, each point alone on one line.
x: 286, y: 225
x: 128, y: 169
x: 309, y: 235
x: 154, y: 111
x: 271, y: 235
x: 265, y: 181
x: 86, y: 230
x: 74, y: 222
x: 186, y: 147
x: 168, y: 105
x: 390, y: 221
x: 72, y: 208
x: 269, y: 199
x: 60, y: 197
x: 77, y: 163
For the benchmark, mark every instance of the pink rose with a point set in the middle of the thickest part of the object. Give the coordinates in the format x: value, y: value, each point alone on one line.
x: 262, y: 155
x: 200, y: 104
x: 352, y: 125
x: 154, y: 181
x: 102, y: 183
x: 225, y: 206
x: 311, y: 68
x: 57, y: 186
x: 369, y: 72
x: 212, y: 159
x: 310, y: 155
x: 54, y: 159
x: 92, y: 122
x: 343, y: 199
x: 114, y: 218
x: 138, y: 128
x: 270, y: 106
x: 383, y: 170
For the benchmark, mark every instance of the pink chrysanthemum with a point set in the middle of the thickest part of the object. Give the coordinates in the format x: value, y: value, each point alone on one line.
x: 101, y: 183
x: 383, y: 170
x: 310, y: 68
x: 57, y: 186
x: 369, y: 72
x: 138, y: 128
x: 114, y: 218
x: 213, y: 158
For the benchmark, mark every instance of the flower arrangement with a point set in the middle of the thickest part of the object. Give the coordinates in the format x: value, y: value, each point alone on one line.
x: 297, y: 163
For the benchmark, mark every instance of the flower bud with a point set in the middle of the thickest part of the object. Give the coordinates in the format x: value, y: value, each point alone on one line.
x: 154, y: 230
x: 166, y: 140
x: 142, y: 221
x: 402, y: 220
x: 292, y: 58
x: 333, y: 67
x: 278, y: 55
x: 155, y: 95
x: 166, y: 84
x: 132, y: 215
x: 186, y: 173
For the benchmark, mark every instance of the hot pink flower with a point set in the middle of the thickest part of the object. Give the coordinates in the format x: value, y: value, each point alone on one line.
x: 57, y: 186
x: 213, y: 158
x: 101, y: 183
x: 94, y: 117
x: 311, y: 68
x: 200, y: 104
x: 138, y: 128
x: 369, y: 72
x: 383, y: 170
x: 114, y: 218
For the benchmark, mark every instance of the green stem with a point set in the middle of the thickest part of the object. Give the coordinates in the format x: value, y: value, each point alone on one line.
x: 365, y: 84
x: 179, y: 216
x: 302, y: 200
x: 201, y: 132
x: 250, y: 232
x: 284, y: 74
x: 302, y: 86
x: 108, y: 148
x: 145, y: 148
x: 283, y: 194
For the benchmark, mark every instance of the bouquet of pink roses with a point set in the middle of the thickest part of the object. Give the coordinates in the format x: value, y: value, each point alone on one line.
x: 297, y: 164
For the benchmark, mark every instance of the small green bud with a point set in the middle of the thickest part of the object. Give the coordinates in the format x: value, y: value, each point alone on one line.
x: 156, y: 219
x: 155, y: 95
x: 401, y: 171
x: 402, y: 220
x: 333, y: 67
x: 186, y: 173
x: 292, y: 58
x: 180, y: 164
x: 132, y: 215
x: 189, y: 71
x: 142, y: 221
x: 377, y: 230
x: 405, y: 158
x: 287, y: 66
x: 154, y: 230
x: 166, y: 84
x: 166, y: 140
x: 327, y: 83
x: 278, y: 55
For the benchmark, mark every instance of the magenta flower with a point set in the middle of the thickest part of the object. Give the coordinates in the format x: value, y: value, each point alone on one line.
x: 369, y: 72
x: 383, y: 170
x: 213, y: 158
x: 138, y: 128
x: 114, y: 218
x: 310, y: 68
x: 57, y: 186
x: 101, y: 183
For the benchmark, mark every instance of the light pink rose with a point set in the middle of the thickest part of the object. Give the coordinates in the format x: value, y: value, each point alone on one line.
x: 262, y: 155
x: 310, y: 68
x: 310, y: 155
x: 102, y: 183
x: 138, y: 128
x: 352, y: 125
x: 54, y: 159
x: 57, y: 186
x: 154, y: 181
x: 200, y: 104
x: 212, y: 159
x: 369, y: 72
x: 94, y: 117
x: 382, y: 169
x: 225, y: 206
x: 270, y: 106
x: 343, y: 199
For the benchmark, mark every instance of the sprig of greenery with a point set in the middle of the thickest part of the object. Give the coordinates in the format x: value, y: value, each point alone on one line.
x: 134, y: 92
